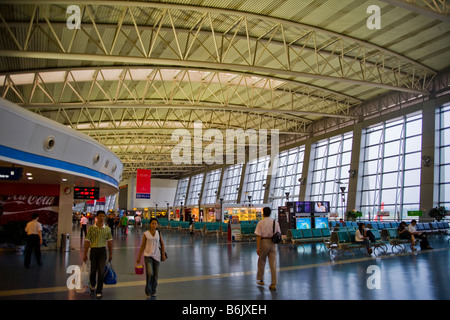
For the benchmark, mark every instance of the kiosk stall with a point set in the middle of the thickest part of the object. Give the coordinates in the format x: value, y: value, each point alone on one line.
x: 253, y: 213
x: 212, y: 213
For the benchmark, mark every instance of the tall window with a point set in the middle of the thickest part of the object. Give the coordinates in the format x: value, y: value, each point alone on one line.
x: 211, y: 187
x: 331, y: 164
x: 254, y: 184
x: 231, y: 182
x: 180, y: 195
x: 392, y: 166
x: 195, y: 189
x: 286, y: 179
x: 443, y: 156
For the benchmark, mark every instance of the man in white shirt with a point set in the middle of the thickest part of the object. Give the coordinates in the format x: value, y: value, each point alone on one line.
x: 266, y: 248
x: 417, y: 235
x: 412, y: 228
x: 83, y: 222
x: 34, y: 240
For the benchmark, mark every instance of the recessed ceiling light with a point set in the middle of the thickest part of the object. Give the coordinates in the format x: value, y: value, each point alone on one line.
x: 29, y: 174
x: 64, y: 179
x: 30, y: 178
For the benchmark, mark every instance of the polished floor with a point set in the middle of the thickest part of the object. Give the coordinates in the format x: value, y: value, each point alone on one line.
x: 210, y: 268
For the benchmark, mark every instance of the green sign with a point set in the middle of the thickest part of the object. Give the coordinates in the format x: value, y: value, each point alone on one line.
x: 415, y: 213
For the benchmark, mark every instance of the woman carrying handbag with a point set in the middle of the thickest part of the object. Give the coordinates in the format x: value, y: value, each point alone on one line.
x: 152, y: 247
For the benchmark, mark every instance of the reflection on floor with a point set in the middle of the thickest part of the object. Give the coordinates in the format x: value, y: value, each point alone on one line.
x: 210, y: 268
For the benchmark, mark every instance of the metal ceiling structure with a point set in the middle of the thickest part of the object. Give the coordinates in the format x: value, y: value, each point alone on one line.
x: 134, y: 71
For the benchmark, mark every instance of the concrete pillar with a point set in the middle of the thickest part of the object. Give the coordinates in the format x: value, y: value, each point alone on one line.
x: 305, y: 172
x: 427, y: 187
x: 241, y: 184
x: 355, y: 165
x: 65, y: 212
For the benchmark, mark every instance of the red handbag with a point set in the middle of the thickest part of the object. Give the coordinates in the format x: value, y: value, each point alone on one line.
x: 139, y: 269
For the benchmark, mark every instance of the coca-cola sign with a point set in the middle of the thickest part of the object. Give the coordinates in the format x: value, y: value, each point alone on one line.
x: 35, y: 200
x: 22, y: 207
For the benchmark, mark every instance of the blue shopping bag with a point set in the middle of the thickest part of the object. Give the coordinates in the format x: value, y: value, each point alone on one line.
x: 110, y: 274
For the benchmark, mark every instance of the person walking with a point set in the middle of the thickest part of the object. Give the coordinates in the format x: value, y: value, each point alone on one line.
x: 124, y: 224
x: 265, y: 248
x: 98, y: 237
x: 83, y: 222
x: 152, y: 247
x: 34, y: 240
x: 110, y: 222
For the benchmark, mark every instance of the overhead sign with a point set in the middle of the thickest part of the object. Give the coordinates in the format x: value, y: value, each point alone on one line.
x: 383, y: 213
x: 417, y: 213
x: 333, y: 215
x: 101, y: 201
x: 86, y: 193
x: 143, y: 182
x: 10, y: 173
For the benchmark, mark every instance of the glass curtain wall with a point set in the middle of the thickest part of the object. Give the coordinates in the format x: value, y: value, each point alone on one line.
x: 443, y: 156
x: 230, y: 183
x: 389, y: 172
x: 391, y: 167
x: 180, y: 195
x: 330, y: 171
x: 211, y: 187
x: 255, y: 181
x: 286, y: 179
x: 195, y: 189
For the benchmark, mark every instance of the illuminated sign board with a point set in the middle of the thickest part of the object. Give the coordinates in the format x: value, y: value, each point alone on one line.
x: 86, y: 193
x: 10, y: 173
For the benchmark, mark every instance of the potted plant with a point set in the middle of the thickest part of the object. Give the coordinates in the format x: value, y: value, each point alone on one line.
x: 351, y: 216
x: 437, y: 213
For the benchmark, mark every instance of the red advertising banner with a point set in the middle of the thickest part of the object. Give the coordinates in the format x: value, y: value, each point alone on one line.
x: 143, y: 182
x: 22, y: 207
x: 101, y: 201
x: 17, y: 210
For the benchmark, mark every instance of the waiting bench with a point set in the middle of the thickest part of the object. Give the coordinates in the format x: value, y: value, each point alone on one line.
x: 301, y: 236
x: 248, y: 231
x: 345, y: 241
x: 212, y: 228
x: 395, y: 240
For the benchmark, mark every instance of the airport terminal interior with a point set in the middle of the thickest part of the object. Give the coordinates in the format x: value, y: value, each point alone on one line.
x: 201, y: 113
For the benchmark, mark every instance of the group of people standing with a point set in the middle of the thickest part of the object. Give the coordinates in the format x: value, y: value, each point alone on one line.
x: 113, y: 221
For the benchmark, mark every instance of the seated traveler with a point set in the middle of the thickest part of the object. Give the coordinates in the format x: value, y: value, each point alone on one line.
x: 360, y: 237
x: 404, y: 233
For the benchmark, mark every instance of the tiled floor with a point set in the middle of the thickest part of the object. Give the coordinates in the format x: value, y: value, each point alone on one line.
x: 209, y: 268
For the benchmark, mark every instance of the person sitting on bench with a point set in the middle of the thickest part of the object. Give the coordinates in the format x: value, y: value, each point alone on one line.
x: 424, y: 244
x: 404, y: 233
x: 361, y: 238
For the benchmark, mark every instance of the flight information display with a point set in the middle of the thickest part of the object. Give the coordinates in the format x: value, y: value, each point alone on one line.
x: 86, y: 193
